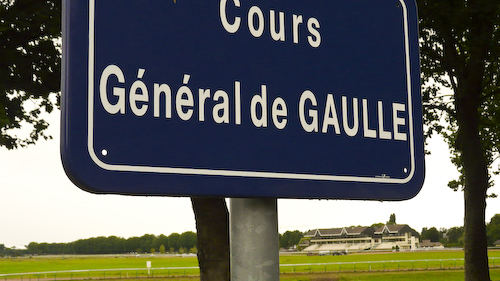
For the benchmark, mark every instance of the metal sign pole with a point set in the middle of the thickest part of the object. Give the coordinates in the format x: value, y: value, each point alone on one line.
x: 254, y: 240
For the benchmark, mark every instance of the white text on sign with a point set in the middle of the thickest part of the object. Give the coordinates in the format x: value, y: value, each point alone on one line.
x: 256, y: 20
x: 349, y: 116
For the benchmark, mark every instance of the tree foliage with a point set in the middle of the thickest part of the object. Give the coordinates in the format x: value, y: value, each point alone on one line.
x: 430, y: 234
x: 377, y: 225
x: 392, y: 219
x: 30, y: 72
x: 117, y: 245
x: 454, y: 236
x: 493, y: 230
x: 454, y: 37
x: 289, y: 239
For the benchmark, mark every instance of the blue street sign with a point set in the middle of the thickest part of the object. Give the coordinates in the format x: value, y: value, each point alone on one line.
x: 243, y: 98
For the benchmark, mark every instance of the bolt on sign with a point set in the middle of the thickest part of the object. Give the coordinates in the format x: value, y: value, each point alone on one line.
x: 243, y: 98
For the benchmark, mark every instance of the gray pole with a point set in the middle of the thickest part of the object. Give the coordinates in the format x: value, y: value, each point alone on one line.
x: 254, y: 240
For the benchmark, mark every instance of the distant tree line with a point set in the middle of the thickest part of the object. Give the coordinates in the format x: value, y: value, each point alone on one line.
x: 174, y: 243
x: 455, y: 235
x: 290, y: 239
x: 148, y: 243
x: 11, y: 252
x: 452, y: 237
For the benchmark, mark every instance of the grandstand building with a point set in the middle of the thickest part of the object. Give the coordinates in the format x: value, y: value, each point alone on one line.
x: 355, y: 239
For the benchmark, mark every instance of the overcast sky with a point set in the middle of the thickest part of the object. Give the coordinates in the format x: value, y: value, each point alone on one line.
x: 38, y: 203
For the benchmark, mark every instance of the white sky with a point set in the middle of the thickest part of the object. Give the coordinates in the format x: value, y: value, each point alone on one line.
x: 38, y: 203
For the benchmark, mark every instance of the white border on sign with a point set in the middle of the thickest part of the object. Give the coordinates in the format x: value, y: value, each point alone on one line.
x: 232, y: 173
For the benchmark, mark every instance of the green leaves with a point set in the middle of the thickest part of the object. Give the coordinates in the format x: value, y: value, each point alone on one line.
x: 457, y: 45
x: 31, y: 60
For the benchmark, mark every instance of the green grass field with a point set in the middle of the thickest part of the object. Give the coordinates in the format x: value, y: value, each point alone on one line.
x: 61, y: 263
x: 362, y: 266
x: 447, y: 275
x: 382, y: 256
x: 431, y: 275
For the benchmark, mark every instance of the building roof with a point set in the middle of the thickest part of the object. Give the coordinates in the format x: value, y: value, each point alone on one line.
x: 356, y: 229
x: 324, y: 232
x: 390, y: 228
x: 336, y: 232
x: 396, y: 229
x: 428, y: 243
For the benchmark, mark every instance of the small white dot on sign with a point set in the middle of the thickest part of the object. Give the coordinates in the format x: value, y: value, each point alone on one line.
x: 104, y: 152
x: 405, y: 170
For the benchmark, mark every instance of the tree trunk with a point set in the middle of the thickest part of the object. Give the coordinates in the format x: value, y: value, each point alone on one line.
x: 476, y: 253
x: 476, y: 184
x: 475, y: 171
x: 212, y: 226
